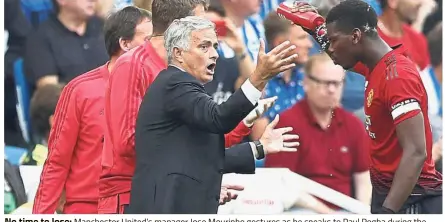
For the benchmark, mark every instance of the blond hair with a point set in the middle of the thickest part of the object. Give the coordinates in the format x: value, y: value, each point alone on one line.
x: 315, y: 59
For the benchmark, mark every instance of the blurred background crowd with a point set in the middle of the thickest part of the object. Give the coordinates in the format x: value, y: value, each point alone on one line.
x: 50, y: 42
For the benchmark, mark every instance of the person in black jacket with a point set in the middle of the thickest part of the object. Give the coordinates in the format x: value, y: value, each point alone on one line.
x: 180, y: 154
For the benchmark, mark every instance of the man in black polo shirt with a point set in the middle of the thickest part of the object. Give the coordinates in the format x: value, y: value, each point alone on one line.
x: 68, y: 44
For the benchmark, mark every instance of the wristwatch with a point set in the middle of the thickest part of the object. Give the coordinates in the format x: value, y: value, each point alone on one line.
x: 259, y: 149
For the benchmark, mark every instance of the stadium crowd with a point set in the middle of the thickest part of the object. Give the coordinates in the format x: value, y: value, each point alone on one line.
x: 51, y: 44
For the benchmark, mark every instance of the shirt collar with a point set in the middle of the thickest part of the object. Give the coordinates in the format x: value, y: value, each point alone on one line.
x: 337, y: 119
x: 295, y: 71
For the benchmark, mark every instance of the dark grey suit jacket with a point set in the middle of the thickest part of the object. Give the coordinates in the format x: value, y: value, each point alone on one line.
x: 180, y: 152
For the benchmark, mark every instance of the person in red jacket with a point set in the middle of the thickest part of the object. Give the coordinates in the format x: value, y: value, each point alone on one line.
x: 134, y: 73
x: 76, y: 138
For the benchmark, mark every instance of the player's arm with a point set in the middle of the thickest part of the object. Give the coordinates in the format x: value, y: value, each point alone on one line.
x: 403, y: 96
x: 127, y: 91
x: 236, y: 136
x: 61, y: 143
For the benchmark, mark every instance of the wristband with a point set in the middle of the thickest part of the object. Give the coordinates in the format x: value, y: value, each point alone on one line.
x: 260, y: 149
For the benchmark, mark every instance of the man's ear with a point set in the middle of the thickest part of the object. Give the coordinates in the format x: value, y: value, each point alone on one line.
x: 125, y: 44
x: 178, y: 54
x: 356, y: 36
x: 51, y: 121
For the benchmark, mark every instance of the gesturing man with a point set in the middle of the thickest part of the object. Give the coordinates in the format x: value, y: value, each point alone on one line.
x: 180, y: 154
x: 396, y: 106
x: 132, y: 76
x: 76, y: 138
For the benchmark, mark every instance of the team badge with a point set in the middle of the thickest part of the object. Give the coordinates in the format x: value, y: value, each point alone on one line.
x: 370, y: 96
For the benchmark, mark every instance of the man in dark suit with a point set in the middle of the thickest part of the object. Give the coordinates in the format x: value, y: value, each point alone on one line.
x: 180, y: 154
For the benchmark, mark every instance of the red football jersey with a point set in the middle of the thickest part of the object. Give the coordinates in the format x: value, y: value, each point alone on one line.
x: 394, y: 92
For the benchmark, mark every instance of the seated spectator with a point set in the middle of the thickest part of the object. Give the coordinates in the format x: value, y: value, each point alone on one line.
x: 230, y: 73
x: 287, y: 85
x: 333, y: 147
x: 244, y: 15
x: 66, y: 45
x: 432, y: 76
x: 394, y: 28
x: 43, y: 106
x: 432, y: 80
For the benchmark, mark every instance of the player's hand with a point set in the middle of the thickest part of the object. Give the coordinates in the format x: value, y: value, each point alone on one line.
x: 276, y: 140
x: 227, y: 193
x: 303, y: 7
x: 263, y: 106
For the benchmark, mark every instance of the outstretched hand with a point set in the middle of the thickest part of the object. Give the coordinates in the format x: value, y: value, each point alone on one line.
x: 262, y: 107
x: 277, y: 60
x: 276, y: 140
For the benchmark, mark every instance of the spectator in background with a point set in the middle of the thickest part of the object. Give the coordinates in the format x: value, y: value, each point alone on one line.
x: 76, y: 142
x: 230, y: 73
x: 43, y: 106
x: 434, y: 18
x: 394, y: 28
x: 432, y: 80
x: 333, y: 147
x: 18, y: 28
x: 250, y: 27
x: 66, y: 45
x: 432, y: 76
x: 288, y: 86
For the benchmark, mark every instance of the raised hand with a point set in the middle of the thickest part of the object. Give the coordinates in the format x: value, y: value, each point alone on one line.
x: 276, y: 140
x: 278, y: 60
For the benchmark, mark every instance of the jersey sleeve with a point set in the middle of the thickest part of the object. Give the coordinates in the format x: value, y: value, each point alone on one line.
x: 403, y: 92
x: 61, y: 143
x: 236, y: 136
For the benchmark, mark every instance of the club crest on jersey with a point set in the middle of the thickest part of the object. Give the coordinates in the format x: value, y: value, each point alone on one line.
x: 369, y: 98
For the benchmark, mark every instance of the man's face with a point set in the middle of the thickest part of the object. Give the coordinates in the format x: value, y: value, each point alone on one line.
x: 341, y: 48
x: 324, y: 85
x: 83, y: 8
x: 200, y: 59
x: 407, y: 10
x: 303, y: 43
x: 143, y: 33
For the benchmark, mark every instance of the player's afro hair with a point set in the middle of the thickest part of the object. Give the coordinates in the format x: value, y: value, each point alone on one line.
x: 351, y: 14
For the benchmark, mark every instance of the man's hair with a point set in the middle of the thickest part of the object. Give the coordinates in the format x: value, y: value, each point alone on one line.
x: 314, y: 60
x: 274, y: 26
x: 434, y: 38
x: 43, y: 105
x: 217, y: 7
x: 351, y: 14
x: 179, y: 33
x: 122, y: 24
x: 164, y: 12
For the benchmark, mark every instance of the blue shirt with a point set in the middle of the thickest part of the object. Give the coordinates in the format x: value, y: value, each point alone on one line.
x: 288, y: 93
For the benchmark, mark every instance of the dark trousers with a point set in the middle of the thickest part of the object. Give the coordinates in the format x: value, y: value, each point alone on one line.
x: 429, y: 203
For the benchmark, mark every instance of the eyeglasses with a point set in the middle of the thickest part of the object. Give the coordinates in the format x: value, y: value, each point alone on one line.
x: 326, y: 83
